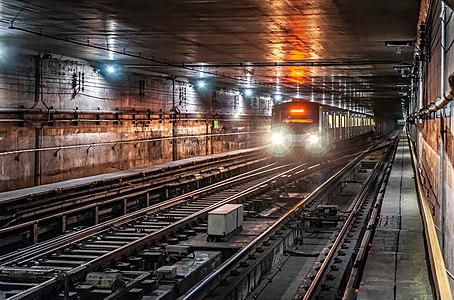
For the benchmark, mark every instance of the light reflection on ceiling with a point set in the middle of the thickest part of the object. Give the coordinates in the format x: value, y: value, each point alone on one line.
x: 327, y: 49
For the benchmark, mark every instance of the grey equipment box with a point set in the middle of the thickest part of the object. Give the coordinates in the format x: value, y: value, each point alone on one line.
x: 225, y: 219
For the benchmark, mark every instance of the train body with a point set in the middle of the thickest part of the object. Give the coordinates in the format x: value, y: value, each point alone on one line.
x: 314, y: 126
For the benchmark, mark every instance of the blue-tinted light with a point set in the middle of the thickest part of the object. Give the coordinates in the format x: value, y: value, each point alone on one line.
x: 278, y: 97
x: 200, y: 84
x: 248, y: 92
x: 110, y: 69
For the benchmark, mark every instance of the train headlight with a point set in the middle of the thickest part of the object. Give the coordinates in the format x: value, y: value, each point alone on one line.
x: 314, y: 139
x: 279, y: 141
x: 277, y: 138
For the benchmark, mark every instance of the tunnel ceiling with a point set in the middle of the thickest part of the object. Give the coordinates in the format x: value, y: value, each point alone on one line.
x: 331, y: 50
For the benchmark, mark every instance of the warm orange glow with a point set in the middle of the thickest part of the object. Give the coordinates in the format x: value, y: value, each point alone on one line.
x: 300, y: 121
x: 299, y: 110
x: 297, y: 74
x: 292, y: 38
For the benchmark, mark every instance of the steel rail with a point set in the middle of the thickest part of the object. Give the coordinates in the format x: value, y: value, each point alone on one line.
x: 354, y: 278
x: 100, y: 184
x: 202, y: 289
x: 436, y: 261
x: 80, y: 271
x: 133, y: 192
x: 207, y: 285
x: 28, y: 294
x: 373, y: 178
x: 51, y: 245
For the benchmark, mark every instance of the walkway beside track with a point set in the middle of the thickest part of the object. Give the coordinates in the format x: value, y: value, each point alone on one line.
x: 397, y: 267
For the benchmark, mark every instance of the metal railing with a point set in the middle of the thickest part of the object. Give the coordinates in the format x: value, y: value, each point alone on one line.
x: 115, y: 143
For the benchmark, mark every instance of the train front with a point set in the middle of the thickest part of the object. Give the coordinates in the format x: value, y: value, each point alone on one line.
x: 295, y: 129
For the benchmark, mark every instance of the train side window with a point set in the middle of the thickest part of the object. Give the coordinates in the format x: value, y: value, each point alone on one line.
x: 325, y: 120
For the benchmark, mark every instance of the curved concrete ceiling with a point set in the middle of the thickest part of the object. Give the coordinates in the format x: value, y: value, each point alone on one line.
x: 332, y: 50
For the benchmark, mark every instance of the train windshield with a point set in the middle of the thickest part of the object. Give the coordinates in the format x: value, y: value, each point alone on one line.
x: 299, y: 127
x: 299, y: 117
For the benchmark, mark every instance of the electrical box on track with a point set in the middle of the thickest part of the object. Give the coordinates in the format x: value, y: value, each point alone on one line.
x: 225, y: 219
x: 177, y: 251
x: 105, y: 280
x: 167, y: 272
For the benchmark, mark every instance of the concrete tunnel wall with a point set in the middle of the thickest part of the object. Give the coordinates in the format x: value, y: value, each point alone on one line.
x: 61, y: 110
x: 428, y: 130
x: 70, y: 84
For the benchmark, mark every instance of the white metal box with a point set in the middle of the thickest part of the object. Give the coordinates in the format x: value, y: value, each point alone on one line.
x: 104, y: 279
x: 225, y: 219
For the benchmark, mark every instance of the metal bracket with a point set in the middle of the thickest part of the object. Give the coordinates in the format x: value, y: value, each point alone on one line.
x: 16, y: 158
x: 58, y: 150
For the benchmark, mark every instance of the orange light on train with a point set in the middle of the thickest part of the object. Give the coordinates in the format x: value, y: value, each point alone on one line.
x: 299, y: 110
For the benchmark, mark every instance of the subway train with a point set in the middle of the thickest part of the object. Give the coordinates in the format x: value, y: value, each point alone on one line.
x: 303, y: 125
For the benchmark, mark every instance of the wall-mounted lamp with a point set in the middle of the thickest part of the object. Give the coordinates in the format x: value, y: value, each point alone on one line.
x: 399, y: 43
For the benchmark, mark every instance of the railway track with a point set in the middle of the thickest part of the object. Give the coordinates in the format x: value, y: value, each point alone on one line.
x: 332, y: 248
x: 133, y: 241
x: 97, y: 246
x: 140, y: 223
x: 37, y: 205
x: 35, y: 218
x: 75, y: 255
x: 335, y: 265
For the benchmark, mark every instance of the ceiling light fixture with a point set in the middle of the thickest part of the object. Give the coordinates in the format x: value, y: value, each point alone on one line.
x: 399, y: 43
x: 110, y: 69
x: 201, y: 84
